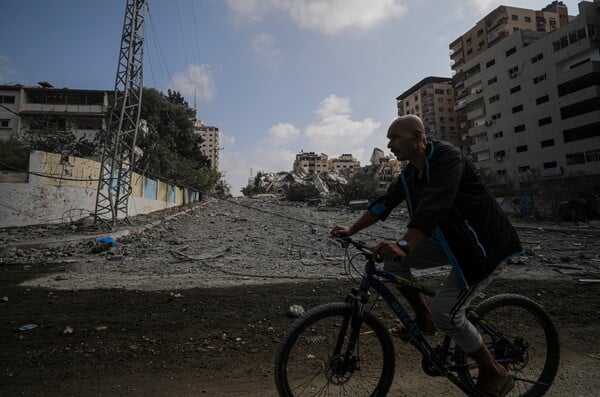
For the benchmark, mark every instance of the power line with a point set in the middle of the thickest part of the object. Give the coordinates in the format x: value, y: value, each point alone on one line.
x: 187, y: 62
x: 155, y: 37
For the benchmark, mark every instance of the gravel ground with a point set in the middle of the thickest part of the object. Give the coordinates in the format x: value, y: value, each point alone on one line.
x: 197, y: 304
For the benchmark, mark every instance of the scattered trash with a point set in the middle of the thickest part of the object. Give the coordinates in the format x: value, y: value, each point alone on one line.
x: 296, y: 311
x: 254, y: 350
x: 5, y: 299
x: 358, y: 204
x: 107, y: 240
x: 271, y: 330
x: 101, y: 328
x: 310, y: 356
x: 68, y: 330
x: 238, y: 339
x: 28, y: 327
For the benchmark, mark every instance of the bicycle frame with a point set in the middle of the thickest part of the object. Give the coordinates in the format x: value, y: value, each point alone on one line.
x: 370, y: 281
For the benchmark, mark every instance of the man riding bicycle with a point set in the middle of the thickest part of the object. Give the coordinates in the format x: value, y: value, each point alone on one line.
x: 454, y: 220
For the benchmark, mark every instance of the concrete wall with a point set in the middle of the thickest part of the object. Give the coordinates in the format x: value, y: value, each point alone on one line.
x: 35, y: 199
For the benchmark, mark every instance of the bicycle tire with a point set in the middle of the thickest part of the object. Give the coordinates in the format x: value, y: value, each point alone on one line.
x: 320, y: 326
x: 542, y: 354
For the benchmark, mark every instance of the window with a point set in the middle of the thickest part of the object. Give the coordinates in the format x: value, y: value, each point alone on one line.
x: 479, y: 32
x: 517, y: 109
x: 439, y: 91
x: 547, y: 143
x: 4, y: 123
x: 527, y: 19
x: 468, y: 40
x: 544, y: 121
x: 542, y: 99
x: 579, y: 83
x: 521, y: 149
x: 592, y: 156
x: 498, y: 135
x: 492, y: 80
x: 496, y: 116
x: 538, y: 57
x: 523, y: 168
x: 491, y: 63
x: 539, y: 79
x: 514, y: 17
x: 480, y: 44
x: 494, y: 98
x: 500, y: 153
x: 513, y: 72
x: 519, y: 128
x: 469, y: 51
x: 511, y: 51
x: 441, y: 109
x: 501, y: 172
x: 550, y: 164
x: 515, y: 89
x: 586, y: 106
x: 575, y: 158
x: 8, y: 99
x: 515, y: 29
x: 583, y: 132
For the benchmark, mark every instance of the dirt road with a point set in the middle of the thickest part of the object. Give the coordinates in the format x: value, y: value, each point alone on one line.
x: 164, y: 322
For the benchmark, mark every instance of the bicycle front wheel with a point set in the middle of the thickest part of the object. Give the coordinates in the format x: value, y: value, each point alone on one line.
x: 315, y: 359
x: 520, y: 335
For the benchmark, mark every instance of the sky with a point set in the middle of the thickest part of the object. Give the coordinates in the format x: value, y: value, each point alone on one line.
x: 276, y: 76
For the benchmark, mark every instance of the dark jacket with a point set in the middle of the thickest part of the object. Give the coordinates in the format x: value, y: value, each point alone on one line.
x: 452, y: 204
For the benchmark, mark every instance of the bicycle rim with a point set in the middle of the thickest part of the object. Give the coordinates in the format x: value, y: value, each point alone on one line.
x: 532, y: 355
x: 309, y: 365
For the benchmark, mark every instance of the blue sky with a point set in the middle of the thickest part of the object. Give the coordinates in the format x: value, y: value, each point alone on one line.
x: 276, y: 76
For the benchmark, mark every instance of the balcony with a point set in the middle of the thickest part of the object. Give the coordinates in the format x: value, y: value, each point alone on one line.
x: 479, y: 147
x: 70, y: 109
x: 548, y: 172
x: 475, y: 113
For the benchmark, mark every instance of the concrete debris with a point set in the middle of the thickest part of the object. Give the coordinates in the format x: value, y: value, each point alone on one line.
x: 295, y: 311
x: 275, y: 183
x: 68, y: 330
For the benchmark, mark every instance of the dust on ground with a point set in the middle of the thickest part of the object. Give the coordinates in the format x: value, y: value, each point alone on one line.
x: 198, y: 304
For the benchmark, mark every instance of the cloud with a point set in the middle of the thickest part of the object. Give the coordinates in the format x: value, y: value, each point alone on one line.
x: 336, y: 132
x: 196, y: 77
x: 284, y: 131
x: 265, y: 49
x: 327, y: 16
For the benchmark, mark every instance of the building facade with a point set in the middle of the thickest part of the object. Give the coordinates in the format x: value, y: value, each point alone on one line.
x: 432, y: 99
x: 210, y: 142
x: 532, y: 101
x: 346, y: 164
x: 25, y: 109
x: 307, y: 163
x: 499, y: 24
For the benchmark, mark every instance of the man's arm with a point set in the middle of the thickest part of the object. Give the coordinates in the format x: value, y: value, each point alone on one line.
x: 367, y: 219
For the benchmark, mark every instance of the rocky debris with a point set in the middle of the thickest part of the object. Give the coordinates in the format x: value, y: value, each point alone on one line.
x: 250, y: 241
x: 295, y: 311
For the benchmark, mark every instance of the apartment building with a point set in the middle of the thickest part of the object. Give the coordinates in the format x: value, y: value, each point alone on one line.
x: 210, y: 142
x: 346, y: 164
x: 82, y: 112
x: 532, y: 101
x: 432, y: 99
x: 310, y: 163
x: 487, y: 33
x: 386, y: 168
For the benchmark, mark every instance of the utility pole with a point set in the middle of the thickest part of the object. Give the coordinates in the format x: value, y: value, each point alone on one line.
x: 118, y: 152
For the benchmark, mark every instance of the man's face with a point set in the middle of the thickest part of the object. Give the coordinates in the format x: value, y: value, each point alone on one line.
x: 402, y: 143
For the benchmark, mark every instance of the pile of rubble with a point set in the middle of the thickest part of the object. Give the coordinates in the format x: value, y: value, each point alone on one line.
x: 278, y: 182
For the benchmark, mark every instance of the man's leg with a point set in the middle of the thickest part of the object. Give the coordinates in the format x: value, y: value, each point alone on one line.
x: 448, y: 312
x: 428, y: 254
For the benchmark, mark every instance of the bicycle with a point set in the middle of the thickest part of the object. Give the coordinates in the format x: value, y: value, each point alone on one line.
x: 343, y: 349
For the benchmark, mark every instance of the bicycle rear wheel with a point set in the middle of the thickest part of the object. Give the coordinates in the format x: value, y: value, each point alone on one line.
x: 527, y: 343
x: 314, y: 359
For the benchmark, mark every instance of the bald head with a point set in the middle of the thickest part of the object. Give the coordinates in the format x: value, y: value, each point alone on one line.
x: 408, y: 124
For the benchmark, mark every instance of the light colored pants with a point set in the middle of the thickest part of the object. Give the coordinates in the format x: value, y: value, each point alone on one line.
x: 449, y: 304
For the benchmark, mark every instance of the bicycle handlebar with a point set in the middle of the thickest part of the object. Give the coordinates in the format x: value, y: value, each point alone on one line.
x: 359, y: 245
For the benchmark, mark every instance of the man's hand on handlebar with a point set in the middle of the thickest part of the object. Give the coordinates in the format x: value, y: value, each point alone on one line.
x: 341, y: 231
x: 386, y: 251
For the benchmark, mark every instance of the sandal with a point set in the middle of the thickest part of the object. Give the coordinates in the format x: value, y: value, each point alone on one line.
x: 401, y: 332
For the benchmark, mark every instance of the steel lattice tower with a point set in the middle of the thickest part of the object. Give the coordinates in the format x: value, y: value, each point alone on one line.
x: 118, y: 154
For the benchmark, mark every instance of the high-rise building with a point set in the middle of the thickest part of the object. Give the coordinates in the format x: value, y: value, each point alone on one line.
x: 432, y: 99
x: 346, y: 164
x: 310, y: 163
x: 487, y: 33
x: 210, y: 142
x: 532, y: 101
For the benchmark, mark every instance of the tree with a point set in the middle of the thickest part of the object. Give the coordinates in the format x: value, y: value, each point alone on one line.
x: 361, y: 186
x: 171, y: 148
